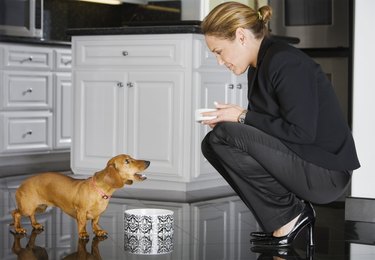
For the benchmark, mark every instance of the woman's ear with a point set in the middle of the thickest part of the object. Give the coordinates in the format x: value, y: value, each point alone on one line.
x: 241, y: 35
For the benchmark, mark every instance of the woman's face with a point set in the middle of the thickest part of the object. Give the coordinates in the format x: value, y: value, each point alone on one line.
x: 236, y: 55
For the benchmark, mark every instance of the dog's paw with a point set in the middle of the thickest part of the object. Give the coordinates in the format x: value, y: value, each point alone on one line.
x: 18, y: 235
x: 19, y: 231
x: 101, y: 233
x: 83, y: 235
x: 38, y: 226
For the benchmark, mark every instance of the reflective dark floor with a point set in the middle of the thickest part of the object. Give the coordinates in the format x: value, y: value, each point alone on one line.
x: 210, y: 229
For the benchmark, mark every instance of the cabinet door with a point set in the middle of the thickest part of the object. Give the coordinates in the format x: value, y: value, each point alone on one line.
x: 240, y: 90
x: 212, y: 86
x: 63, y: 111
x: 155, y: 121
x: 98, y: 118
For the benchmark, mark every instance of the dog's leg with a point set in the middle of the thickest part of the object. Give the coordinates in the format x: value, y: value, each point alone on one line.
x: 34, y: 223
x: 16, y: 214
x: 99, y: 232
x: 81, y: 222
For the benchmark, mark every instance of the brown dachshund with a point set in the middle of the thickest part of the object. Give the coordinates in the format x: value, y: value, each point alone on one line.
x: 80, y: 199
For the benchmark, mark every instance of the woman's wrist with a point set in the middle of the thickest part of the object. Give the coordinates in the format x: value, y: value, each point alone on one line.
x: 241, y: 117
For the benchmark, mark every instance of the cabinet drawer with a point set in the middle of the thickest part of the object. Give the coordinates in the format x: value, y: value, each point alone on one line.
x: 23, y: 89
x: 130, y: 51
x: 63, y: 59
x: 25, y: 131
x: 28, y: 57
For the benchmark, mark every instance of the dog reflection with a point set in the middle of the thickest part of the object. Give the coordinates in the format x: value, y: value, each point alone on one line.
x: 82, y: 253
x: 31, y: 251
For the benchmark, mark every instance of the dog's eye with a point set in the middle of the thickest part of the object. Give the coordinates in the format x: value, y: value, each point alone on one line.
x: 127, y: 161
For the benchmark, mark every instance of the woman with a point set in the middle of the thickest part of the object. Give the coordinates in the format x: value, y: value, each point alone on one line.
x: 291, y: 144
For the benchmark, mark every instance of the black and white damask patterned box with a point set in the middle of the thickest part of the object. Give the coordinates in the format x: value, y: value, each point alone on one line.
x: 148, y: 231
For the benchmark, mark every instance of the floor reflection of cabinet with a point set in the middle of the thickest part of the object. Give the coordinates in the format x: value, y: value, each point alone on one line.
x: 200, y: 229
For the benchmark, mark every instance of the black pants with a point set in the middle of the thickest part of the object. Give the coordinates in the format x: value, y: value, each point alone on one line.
x: 269, y: 178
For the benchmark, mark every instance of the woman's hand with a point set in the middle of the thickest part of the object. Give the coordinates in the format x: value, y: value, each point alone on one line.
x: 224, y: 113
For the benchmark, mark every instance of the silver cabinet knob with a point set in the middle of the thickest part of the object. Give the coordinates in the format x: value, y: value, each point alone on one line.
x: 231, y: 86
x: 120, y: 84
x: 29, y: 90
x: 125, y: 53
x: 30, y: 132
x: 239, y: 86
x: 130, y: 84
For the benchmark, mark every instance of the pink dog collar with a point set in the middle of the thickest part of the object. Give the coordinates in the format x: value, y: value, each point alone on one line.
x: 102, y: 193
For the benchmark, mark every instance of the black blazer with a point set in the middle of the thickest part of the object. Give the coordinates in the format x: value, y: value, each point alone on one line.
x: 291, y: 98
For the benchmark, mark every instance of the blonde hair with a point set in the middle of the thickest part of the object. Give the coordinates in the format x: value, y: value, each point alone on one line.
x: 224, y: 19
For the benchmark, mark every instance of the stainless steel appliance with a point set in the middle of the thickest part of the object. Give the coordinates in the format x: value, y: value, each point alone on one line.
x: 21, y: 18
x: 317, y: 23
x: 336, y: 69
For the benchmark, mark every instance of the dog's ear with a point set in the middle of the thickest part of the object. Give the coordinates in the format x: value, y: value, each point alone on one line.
x: 112, y: 177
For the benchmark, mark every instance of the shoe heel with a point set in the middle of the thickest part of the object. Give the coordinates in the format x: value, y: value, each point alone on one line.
x: 311, y: 234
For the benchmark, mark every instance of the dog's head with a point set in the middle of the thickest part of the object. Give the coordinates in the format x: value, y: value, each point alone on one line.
x: 123, y: 169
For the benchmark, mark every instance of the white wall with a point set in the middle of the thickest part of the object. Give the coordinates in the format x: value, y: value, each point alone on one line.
x: 363, y: 183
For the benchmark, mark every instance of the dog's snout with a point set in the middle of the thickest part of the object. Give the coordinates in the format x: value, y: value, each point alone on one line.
x: 147, y: 163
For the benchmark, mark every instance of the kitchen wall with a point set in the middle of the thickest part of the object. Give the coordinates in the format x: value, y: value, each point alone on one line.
x: 363, y: 99
x: 64, y: 14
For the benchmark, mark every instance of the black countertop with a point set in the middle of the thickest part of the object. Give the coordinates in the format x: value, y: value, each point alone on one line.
x: 145, y: 28
x: 135, y: 29
x: 34, y: 41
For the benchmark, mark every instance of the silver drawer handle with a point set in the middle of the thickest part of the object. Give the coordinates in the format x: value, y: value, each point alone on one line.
x: 27, y: 59
x: 231, y: 86
x: 30, y: 132
x: 125, y: 53
x: 29, y: 90
x: 66, y: 62
x: 239, y: 86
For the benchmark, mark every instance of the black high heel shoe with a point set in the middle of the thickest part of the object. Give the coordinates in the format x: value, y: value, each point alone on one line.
x: 261, y: 234
x: 306, y: 219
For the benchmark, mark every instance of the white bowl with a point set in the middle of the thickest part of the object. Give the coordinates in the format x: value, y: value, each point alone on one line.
x: 148, y: 231
x: 199, y: 117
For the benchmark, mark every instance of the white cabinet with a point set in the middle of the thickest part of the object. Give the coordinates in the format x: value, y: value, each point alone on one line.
x: 213, y: 83
x: 138, y: 113
x: 137, y: 94
x: 35, y: 101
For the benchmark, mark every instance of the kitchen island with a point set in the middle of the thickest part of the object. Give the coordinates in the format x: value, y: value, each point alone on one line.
x: 135, y: 91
